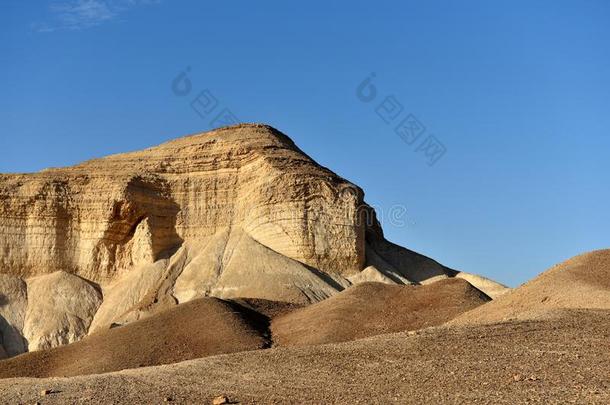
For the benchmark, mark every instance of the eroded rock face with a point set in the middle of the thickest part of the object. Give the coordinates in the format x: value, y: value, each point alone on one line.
x: 235, y: 212
x: 91, y: 225
x: 84, y: 219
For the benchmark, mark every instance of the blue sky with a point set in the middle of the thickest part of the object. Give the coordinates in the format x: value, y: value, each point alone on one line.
x: 517, y: 93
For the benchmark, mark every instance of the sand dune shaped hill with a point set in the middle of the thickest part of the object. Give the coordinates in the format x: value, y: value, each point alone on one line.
x: 370, y: 309
x: 578, y: 283
x: 209, y: 326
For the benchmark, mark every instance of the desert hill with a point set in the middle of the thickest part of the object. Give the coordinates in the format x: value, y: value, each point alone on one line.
x: 370, y: 309
x: 582, y: 282
x: 238, y: 212
x: 564, y: 360
x: 199, y: 328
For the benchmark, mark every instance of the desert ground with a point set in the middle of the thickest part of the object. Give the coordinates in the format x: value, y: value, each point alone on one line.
x: 563, y: 359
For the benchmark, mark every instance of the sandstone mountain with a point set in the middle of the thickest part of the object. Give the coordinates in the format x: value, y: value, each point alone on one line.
x: 582, y: 282
x: 239, y: 212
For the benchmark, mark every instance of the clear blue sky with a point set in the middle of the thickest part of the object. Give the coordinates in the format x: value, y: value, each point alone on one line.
x: 517, y: 92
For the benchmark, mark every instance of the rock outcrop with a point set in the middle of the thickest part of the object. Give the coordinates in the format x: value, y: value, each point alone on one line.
x: 13, y: 303
x: 60, y: 309
x: 236, y: 212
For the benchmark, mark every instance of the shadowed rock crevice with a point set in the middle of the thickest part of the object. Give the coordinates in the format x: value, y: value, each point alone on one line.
x: 141, y: 228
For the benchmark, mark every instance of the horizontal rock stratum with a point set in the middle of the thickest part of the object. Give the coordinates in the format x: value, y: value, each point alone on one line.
x: 236, y: 212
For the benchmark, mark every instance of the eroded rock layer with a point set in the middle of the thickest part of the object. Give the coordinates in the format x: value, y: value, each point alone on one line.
x: 103, y: 216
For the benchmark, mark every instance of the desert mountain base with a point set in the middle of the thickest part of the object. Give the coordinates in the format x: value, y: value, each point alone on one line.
x: 564, y: 360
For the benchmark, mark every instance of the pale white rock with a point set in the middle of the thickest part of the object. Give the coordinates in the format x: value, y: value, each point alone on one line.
x: 141, y: 244
x: 127, y: 292
x: 233, y: 264
x: 60, y: 309
x: 201, y: 273
x: 371, y: 273
x: 491, y: 288
x: 13, y: 303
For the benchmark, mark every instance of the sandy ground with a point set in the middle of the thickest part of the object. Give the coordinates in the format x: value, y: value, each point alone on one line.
x: 560, y: 360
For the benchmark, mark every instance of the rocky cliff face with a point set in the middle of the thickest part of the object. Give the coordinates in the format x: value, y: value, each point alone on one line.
x: 236, y: 212
x: 106, y: 215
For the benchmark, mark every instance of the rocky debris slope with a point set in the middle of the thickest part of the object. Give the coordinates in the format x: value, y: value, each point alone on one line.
x: 235, y: 212
x: 370, y: 309
x: 199, y: 328
x: 582, y: 282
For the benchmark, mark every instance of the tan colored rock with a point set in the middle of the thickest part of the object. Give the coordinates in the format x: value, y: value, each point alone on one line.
x: 186, y: 189
x: 60, y: 309
x: 220, y: 400
x: 127, y: 293
x: 248, y: 177
x: 13, y: 303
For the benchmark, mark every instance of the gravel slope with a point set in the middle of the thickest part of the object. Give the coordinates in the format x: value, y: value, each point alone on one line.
x: 580, y: 282
x: 370, y: 309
